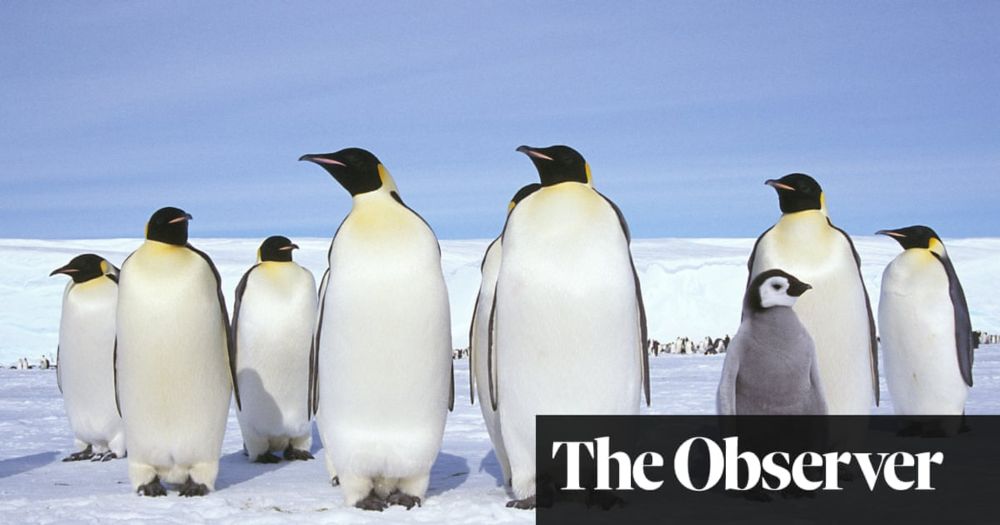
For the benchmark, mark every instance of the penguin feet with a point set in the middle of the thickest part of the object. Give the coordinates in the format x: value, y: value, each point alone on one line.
x: 267, y: 457
x: 403, y: 499
x: 86, y: 453
x: 152, y: 489
x: 292, y: 454
x: 372, y: 502
x: 190, y: 488
x: 105, y: 456
x: 523, y: 504
x: 335, y: 481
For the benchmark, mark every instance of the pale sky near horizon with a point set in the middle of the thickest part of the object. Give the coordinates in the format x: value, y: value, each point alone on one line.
x: 113, y: 109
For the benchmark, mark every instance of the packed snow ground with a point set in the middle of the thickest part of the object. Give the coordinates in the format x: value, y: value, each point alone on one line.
x: 692, y: 287
x: 36, y: 487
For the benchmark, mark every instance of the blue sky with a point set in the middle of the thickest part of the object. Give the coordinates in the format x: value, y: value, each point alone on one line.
x: 111, y: 110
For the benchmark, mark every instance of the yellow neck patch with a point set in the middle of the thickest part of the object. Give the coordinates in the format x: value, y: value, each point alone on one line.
x: 387, y: 180
x: 590, y: 178
x: 935, y: 246
x: 104, y: 267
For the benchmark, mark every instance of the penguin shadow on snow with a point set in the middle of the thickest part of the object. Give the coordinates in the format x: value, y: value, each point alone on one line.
x: 236, y: 468
x: 449, y: 472
x: 491, y: 466
x: 14, y: 466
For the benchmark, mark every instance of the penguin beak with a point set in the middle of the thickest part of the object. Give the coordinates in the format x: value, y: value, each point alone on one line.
x: 532, y: 153
x: 891, y: 233
x: 780, y: 186
x: 290, y: 247
x: 64, y: 270
x: 799, y: 288
x: 322, y: 160
x: 183, y: 218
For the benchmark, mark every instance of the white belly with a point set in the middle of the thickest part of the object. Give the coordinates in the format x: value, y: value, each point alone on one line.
x: 834, y: 311
x: 274, y: 336
x: 86, y: 364
x: 917, y: 325
x: 173, y: 370
x: 385, y: 350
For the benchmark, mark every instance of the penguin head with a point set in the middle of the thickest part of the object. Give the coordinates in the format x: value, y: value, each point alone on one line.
x: 920, y: 237
x: 797, y: 192
x: 84, y: 268
x: 276, y: 248
x: 556, y: 164
x: 774, y: 288
x: 169, y: 225
x: 357, y: 170
x: 521, y: 194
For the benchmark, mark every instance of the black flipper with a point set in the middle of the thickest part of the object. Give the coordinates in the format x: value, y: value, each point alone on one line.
x: 314, y: 351
x: 451, y: 389
x: 643, y: 330
x: 230, y: 346
x: 491, y: 357
x: 114, y: 364
x: 58, y: 370
x: 963, y: 325
x: 871, y: 318
x: 234, y: 351
x: 472, y: 328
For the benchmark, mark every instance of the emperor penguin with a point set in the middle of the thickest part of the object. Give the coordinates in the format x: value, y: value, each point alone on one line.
x: 926, y: 332
x: 86, y: 358
x: 770, y: 367
x: 568, y: 330
x: 383, y: 356
x: 479, y: 339
x: 837, y: 313
x: 273, y: 322
x: 174, y: 360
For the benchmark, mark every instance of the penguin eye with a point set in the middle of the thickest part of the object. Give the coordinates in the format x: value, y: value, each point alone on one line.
x: 776, y: 286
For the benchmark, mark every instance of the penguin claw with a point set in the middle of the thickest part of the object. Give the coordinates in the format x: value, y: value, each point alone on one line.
x: 152, y: 489
x: 523, y: 504
x: 86, y: 453
x: 109, y: 456
x: 335, y: 481
x: 404, y: 500
x: 267, y: 457
x: 292, y: 454
x: 190, y: 488
x: 372, y: 502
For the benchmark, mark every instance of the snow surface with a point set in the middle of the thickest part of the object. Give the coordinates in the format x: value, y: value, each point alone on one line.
x: 36, y: 487
x: 692, y: 287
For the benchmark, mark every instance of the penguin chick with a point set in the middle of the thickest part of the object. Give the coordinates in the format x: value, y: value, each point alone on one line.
x: 770, y: 366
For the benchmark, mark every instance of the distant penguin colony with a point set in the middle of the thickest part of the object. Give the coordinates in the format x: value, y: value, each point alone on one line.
x: 148, y: 358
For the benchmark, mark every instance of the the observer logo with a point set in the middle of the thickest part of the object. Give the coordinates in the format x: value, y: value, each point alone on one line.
x: 774, y: 471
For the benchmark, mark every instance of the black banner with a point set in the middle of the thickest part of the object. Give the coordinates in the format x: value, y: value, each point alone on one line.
x: 767, y: 469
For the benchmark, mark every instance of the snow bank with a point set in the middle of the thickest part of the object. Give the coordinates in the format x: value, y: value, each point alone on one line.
x: 692, y: 287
